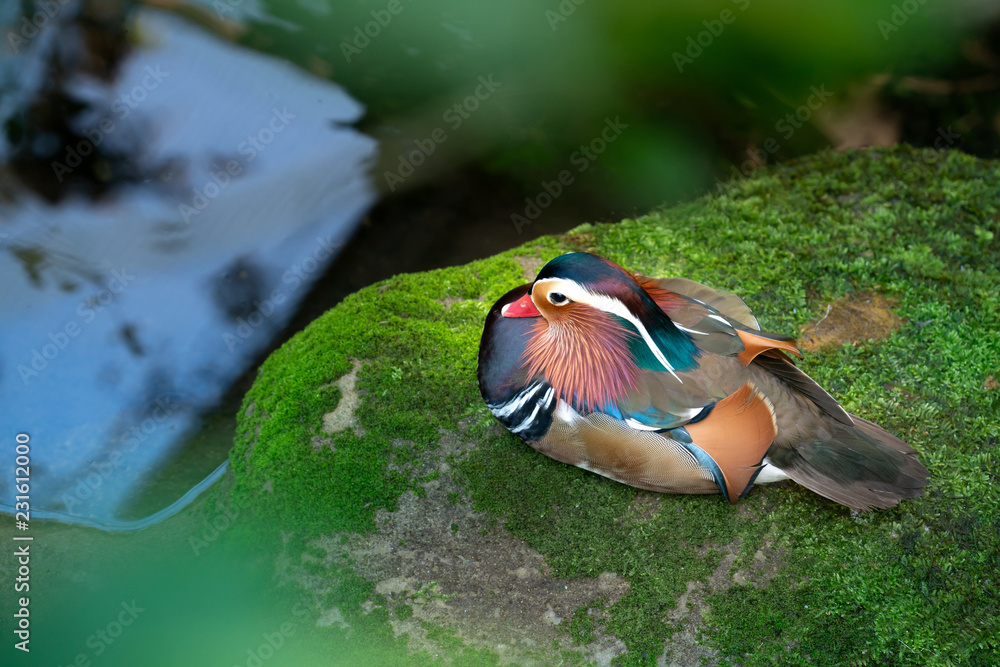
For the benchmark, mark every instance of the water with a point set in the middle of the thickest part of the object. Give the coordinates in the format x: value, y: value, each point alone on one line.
x: 132, y: 304
x: 161, y: 231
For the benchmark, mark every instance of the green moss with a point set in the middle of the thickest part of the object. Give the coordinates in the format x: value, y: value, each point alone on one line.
x: 456, y: 649
x: 581, y: 625
x: 412, y: 358
x: 910, y: 586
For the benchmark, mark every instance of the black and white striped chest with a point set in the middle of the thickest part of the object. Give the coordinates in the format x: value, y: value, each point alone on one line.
x: 527, y: 413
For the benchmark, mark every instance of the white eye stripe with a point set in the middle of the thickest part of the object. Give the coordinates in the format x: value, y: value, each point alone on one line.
x: 576, y: 292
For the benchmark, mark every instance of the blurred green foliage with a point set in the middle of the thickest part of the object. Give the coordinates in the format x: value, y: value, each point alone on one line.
x: 697, y: 83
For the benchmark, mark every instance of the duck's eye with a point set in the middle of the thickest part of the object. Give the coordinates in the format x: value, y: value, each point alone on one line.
x: 558, y: 299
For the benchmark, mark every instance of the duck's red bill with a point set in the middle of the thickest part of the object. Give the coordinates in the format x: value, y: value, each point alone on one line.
x: 523, y: 307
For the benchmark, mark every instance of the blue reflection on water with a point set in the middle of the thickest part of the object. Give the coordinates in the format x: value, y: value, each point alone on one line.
x: 124, y: 317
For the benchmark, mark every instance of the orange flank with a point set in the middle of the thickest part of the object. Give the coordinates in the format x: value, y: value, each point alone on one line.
x: 737, y: 434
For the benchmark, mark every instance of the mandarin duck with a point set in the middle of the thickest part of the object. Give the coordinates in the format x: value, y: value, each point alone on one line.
x: 671, y: 386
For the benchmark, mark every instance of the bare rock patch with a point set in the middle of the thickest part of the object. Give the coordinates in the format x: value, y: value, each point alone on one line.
x: 684, y: 648
x: 342, y: 417
x: 857, y: 317
x: 435, y: 560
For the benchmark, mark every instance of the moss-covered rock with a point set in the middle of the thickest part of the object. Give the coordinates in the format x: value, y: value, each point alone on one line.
x: 419, y: 530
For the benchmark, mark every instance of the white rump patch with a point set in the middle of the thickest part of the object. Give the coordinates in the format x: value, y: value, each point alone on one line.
x: 770, y: 473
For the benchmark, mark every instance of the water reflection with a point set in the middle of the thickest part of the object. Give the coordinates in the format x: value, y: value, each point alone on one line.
x: 167, y: 204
